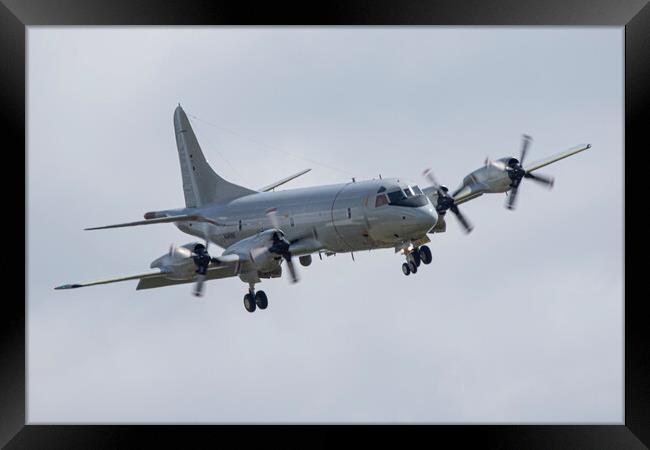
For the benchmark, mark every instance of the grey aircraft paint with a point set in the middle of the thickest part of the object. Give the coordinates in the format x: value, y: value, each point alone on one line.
x: 260, y: 230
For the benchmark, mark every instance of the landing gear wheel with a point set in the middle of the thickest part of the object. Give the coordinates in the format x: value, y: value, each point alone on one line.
x: 416, y: 257
x: 406, y: 269
x: 261, y: 300
x: 425, y: 254
x: 249, y: 303
x: 413, y: 267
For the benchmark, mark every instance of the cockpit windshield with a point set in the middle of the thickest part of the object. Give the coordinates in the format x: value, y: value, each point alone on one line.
x: 411, y: 196
x: 407, y: 198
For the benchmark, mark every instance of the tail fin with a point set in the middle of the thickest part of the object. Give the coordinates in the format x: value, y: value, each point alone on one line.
x: 201, y: 184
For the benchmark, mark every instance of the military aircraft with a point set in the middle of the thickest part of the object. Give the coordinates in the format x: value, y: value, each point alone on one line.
x: 260, y: 230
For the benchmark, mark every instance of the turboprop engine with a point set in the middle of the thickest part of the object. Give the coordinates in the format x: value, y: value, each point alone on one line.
x: 265, y: 250
x: 178, y: 263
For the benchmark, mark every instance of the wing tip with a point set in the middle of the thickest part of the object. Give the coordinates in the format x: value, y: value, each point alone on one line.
x: 68, y: 286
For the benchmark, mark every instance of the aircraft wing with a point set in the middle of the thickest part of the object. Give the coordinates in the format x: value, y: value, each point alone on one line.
x: 465, y: 194
x: 141, y: 276
x: 282, y: 181
x: 551, y: 159
x: 214, y: 273
x: 157, y: 278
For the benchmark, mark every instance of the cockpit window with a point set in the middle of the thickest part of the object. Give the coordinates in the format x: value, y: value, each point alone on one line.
x: 395, y: 197
x: 408, y: 192
x: 417, y: 190
x: 381, y: 201
x: 398, y: 198
x: 381, y: 189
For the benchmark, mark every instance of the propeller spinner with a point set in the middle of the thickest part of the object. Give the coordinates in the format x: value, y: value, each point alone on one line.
x: 516, y: 173
x: 446, y: 202
x: 280, y: 245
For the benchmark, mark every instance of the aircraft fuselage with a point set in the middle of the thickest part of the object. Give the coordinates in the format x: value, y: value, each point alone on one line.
x: 338, y: 218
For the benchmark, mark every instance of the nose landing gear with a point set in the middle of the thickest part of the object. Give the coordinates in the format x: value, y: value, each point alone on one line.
x: 414, y: 258
x: 254, y: 300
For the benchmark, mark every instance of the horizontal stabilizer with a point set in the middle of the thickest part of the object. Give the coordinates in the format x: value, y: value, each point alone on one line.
x: 170, y: 219
x: 283, y: 181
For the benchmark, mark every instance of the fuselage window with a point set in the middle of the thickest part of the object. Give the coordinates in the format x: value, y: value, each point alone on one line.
x: 381, y: 201
x: 240, y: 225
x: 292, y: 222
x: 349, y: 213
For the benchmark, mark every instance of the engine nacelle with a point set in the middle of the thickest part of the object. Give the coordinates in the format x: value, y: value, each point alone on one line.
x: 275, y: 273
x: 177, y: 263
x: 263, y: 259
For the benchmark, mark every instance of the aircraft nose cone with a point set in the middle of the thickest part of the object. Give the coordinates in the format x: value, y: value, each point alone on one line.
x: 426, y: 217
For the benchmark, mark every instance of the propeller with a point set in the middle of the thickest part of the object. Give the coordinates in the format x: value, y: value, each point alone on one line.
x: 202, y: 260
x: 446, y: 202
x: 516, y: 172
x: 280, y: 245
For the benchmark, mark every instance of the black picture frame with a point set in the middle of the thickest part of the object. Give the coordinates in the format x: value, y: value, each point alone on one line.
x: 16, y: 15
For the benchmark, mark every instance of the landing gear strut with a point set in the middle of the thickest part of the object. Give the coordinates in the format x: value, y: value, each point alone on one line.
x: 254, y: 300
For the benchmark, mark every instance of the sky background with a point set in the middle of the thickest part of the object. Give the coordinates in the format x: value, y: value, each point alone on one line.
x: 520, y: 321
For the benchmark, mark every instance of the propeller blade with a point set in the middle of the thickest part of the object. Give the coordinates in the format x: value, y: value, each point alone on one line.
x: 510, y: 202
x: 440, y: 189
x: 541, y: 179
x: 524, y: 147
x: 467, y: 226
x: 292, y: 269
x: 198, y: 289
x: 428, y: 174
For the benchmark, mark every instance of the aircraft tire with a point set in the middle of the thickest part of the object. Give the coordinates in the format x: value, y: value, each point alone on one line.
x: 406, y: 269
x: 261, y: 300
x: 425, y: 254
x: 416, y: 257
x: 413, y: 267
x: 249, y: 303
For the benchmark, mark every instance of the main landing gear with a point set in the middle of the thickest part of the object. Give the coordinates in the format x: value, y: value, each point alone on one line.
x: 415, y: 258
x: 254, y: 300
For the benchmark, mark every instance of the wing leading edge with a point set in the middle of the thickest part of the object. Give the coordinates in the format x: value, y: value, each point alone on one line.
x: 156, y: 279
x: 551, y: 159
x: 141, y: 276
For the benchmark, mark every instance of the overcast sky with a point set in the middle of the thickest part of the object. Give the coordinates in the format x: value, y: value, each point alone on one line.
x: 520, y: 321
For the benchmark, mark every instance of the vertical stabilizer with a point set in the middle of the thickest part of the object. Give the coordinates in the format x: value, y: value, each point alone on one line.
x: 201, y: 185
